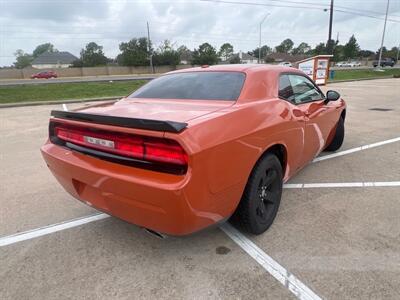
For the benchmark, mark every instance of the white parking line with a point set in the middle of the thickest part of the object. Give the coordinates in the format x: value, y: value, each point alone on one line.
x: 31, y: 234
x: 340, y: 184
x: 356, y: 149
x: 299, y: 289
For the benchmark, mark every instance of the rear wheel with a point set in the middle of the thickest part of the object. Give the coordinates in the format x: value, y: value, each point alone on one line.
x: 337, y: 140
x: 260, y: 201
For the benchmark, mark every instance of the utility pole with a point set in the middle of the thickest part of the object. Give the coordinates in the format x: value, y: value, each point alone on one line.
x: 397, y: 56
x: 149, y: 48
x: 259, y: 44
x: 329, y: 44
x: 383, y: 35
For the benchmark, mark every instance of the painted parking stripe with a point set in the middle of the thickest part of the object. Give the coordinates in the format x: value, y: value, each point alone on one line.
x: 299, y: 289
x: 341, y: 184
x: 365, y: 147
x: 31, y: 234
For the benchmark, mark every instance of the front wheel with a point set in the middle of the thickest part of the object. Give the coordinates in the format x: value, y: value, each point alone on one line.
x: 261, y: 198
x: 338, y: 138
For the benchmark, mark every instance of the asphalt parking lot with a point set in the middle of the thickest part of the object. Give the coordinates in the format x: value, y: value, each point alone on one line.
x: 337, y: 231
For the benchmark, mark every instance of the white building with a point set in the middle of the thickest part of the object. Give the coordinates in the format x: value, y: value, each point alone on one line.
x: 246, y: 58
x: 242, y: 58
x: 53, y: 60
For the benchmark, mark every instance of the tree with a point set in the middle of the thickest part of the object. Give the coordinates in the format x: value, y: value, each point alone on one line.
x: 338, y: 53
x: 235, y: 59
x: 93, y: 55
x: 384, y: 51
x: 351, y: 49
x: 320, y: 49
x: 184, y: 54
x: 302, y: 48
x: 134, y: 53
x: 205, y: 55
x: 330, y: 46
x: 77, y: 63
x: 366, y: 53
x: 265, y: 50
x: 166, y: 55
x: 392, y: 53
x: 23, y: 59
x: 47, y: 47
x: 226, y: 51
x: 285, y: 47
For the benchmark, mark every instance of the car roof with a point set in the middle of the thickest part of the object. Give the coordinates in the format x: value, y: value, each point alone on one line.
x: 246, y: 68
x: 230, y: 67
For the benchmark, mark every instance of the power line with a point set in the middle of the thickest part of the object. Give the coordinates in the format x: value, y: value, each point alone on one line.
x: 302, y: 7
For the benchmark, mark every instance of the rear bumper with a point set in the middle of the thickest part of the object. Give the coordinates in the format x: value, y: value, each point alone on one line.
x: 168, y: 203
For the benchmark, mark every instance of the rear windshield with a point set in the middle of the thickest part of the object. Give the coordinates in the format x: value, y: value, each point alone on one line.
x: 194, y: 86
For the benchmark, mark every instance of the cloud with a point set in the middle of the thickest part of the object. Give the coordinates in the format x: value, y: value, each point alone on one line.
x: 69, y: 25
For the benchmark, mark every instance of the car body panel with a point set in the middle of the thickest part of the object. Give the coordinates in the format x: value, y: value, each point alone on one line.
x: 223, y: 141
x: 171, y: 109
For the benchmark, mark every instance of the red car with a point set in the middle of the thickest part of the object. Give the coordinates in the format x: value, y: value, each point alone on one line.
x: 196, y: 147
x: 45, y: 75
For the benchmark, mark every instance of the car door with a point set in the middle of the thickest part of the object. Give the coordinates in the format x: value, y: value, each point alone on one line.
x: 319, y: 117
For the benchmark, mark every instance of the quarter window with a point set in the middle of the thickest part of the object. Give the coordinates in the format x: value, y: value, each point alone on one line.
x: 304, y: 90
x: 285, y: 88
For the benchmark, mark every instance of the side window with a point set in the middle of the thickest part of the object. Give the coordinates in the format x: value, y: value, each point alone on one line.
x: 304, y: 90
x: 285, y: 88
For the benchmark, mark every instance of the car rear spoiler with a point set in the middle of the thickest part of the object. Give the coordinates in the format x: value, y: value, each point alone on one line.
x: 156, y: 125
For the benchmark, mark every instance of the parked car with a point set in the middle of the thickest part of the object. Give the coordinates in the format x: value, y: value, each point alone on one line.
x: 196, y: 147
x: 341, y: 64
x: 285, y: 63
x: 353, y: 64
x: 349, y: 64
x: 385, y: 62
x: 45, y: 75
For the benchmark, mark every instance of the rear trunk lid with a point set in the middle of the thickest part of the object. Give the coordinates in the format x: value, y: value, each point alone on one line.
x: 157, y: 109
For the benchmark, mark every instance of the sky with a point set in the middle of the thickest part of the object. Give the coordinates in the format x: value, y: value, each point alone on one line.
x: 70, y: 24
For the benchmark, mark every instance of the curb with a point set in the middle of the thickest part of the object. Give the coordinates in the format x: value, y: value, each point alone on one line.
x: 361, y: 79
x: 37, y: 103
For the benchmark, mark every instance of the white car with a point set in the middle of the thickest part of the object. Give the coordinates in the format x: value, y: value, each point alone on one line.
x: 353, y: 64
x: 350, y: 64
x: 341, y: 64
x: 285, y: 63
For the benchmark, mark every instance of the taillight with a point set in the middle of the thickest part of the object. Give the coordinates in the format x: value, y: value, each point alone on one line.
x: 150, y: 149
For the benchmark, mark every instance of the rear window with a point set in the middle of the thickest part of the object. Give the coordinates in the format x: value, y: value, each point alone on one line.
x: 194, y: 86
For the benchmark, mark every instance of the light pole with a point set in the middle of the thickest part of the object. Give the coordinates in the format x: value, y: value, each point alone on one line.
x: 383, y: 35
x: 259, y: 44
x: 329, y: 44
x: 149, y: 48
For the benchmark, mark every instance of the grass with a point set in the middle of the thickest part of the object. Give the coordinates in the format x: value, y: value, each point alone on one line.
x: 63, y: 91
x: 81, y: 90
x: 363, y: 74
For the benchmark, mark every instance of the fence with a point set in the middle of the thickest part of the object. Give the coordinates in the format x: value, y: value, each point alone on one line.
x: 93, y: 71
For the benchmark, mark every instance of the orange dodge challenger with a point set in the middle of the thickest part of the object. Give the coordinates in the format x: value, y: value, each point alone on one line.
x: 196, y: 147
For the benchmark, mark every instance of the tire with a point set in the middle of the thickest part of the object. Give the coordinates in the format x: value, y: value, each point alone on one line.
x: 337, y: 140
x: 261, y: 198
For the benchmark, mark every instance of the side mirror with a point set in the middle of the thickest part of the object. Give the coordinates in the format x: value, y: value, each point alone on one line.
x: 332, y: 96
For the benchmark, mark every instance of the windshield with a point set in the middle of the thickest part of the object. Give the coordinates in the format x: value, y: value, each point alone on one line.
x: 194, y: 86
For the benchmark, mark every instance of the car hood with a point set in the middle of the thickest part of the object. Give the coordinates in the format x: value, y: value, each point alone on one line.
x: 157, y: 109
